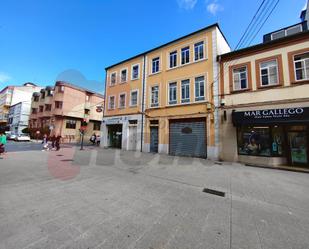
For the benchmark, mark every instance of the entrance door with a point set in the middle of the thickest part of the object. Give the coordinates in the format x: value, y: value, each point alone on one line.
x: 115, y: 136
x: 298, y: 147
x: 188, y: 138
x: 154, y: 139
x: 132, y: 137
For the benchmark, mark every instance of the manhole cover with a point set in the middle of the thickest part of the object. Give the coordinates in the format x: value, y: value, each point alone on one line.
x: 213, y: 192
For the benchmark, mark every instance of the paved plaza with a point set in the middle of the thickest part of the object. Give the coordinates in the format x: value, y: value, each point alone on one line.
x: 100, y: 198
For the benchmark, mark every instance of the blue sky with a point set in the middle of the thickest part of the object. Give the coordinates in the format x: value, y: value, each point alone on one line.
x: 45, y: 40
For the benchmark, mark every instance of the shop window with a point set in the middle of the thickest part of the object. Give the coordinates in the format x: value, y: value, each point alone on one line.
x: 301, y: 63
x: 240, y: 79
x: 269, y: 73
x: 199, y: 51
x: 254, y: 141
x: 70, y: 124
x: 173, y: 59
x: 277, y: 145
x: 172, y: 93
x: 96, y: 126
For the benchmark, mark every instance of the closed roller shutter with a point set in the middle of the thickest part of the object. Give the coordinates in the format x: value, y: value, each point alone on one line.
x: 188, y: 138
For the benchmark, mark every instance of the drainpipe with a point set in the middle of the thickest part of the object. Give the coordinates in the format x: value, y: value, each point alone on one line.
x: 104, y: 104
x: 143, y: 102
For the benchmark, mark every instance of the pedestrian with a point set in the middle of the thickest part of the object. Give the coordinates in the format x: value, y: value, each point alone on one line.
x: 45, y: 143
x: 2, y: 143
x: 98, y: 140
x: 53, y: 141
x: 93, y: 138
x: 57, y: 142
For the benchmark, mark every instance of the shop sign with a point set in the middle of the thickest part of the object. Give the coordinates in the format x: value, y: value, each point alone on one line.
x: 283, y: 115
x: 113, y: 121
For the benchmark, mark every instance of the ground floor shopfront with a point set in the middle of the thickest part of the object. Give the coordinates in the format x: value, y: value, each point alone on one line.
x: 123, y: 132
x: 266, y: 136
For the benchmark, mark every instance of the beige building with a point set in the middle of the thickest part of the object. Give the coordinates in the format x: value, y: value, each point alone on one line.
x: 264, y: 90
x: 61, y: 109
x: 164, y: 99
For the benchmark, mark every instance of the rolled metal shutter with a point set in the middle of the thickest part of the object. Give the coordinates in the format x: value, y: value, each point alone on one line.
x: 188, y: 139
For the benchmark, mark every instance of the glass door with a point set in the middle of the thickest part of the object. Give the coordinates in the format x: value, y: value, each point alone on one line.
x: 298, y: 147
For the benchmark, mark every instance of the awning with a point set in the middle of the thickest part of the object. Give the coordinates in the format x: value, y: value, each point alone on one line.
x: 271, y: 116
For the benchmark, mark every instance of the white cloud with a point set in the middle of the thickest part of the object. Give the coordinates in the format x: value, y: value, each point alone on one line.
x: 4, y: 78
x: 187, y: 4
x: 214, y: 7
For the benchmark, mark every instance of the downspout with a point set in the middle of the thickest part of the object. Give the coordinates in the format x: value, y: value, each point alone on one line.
x: 143, y: 102
x: 104, y: 104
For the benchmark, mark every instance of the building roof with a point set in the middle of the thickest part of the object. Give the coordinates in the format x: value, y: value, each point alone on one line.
x: 166, y: 44
x: 265, y: 46
x: 64, y: 83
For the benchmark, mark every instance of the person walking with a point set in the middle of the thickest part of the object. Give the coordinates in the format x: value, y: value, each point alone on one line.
x: 93, y: 138
x: 57, y: 142
x: 53, y: 141
x: 2, y: 143
x: 45, y: 143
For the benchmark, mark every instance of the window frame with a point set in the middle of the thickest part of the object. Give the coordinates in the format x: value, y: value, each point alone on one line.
x: 200, y: 43
x: 109, y: 102
x: 188, y: 48
x: 158, y: 67
x: 175, y: 52
x: 70, y: 122
x: 127, y: 72
x: 60, y: 106
x: 247, y: 78
x: 199, y: 98
x: 175, y: 101
x: 137, y: 96
x: 302, y: 60
x: 111, y: 76
x: 153, y: 105
x: 185, y: 100
x: 268, y: 74
x: 125, y: 100
x: 132, y: 71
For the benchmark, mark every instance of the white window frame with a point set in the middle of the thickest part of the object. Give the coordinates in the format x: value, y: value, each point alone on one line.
x: 109, y: 102
x: 169, y: 91
x: 247, y: 80
x: 150, y: 101
x: 125, y: 100
x: 157, y: 58
x: 204, y: 52
x: 139, y: 71
x: 169, y: 60
x: 132, y: 91
x: 302, y: 60
x: 110, y: 82
x: 124, y: 69
x: 181, y: 55
x: 204, y: 96
x: 185, y: 100
x: 268, y: 76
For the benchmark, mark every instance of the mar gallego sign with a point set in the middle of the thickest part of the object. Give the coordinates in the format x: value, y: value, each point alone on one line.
x: 282, y: 115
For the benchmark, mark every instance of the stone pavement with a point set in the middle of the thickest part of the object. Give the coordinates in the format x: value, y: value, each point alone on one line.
x: 114, y: 199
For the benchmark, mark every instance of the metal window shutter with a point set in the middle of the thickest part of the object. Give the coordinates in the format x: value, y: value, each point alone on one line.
x: 191, y: 143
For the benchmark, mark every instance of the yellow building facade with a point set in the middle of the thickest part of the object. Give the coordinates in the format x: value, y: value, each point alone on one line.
x: 177, y: 94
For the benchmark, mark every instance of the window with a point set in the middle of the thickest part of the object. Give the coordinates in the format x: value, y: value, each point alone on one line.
x: 185, y: 55
x: 113, y: 79
x: 58, y: 104
x: 70, y: 124
x: 111, y: 102
x: 34, y: 110
x: 173, y: 59
x: 124, y: 74
x: 185, y: 91
x: 155, y: 65
x: 87, y: 98
x: 50, y: 93
x: 301, y: 63
x: 172, y: 89
x: 41, y: 108
x: 269, y: 73
x: 240, y: 80
x: 199, y: 88
x: 36, y: 99
x: 48, y: 107
x: 60, y: 89
x: 135, y: 72
x: 154, y: 96
x: 253, y: 141
x: 97, y: 126
x: 43, y: 95
x: 134, y: 96
x: 122, y: 100
x: 199, y: 51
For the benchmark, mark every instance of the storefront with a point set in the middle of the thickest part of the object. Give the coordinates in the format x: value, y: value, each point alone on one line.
x: 274, y: 133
